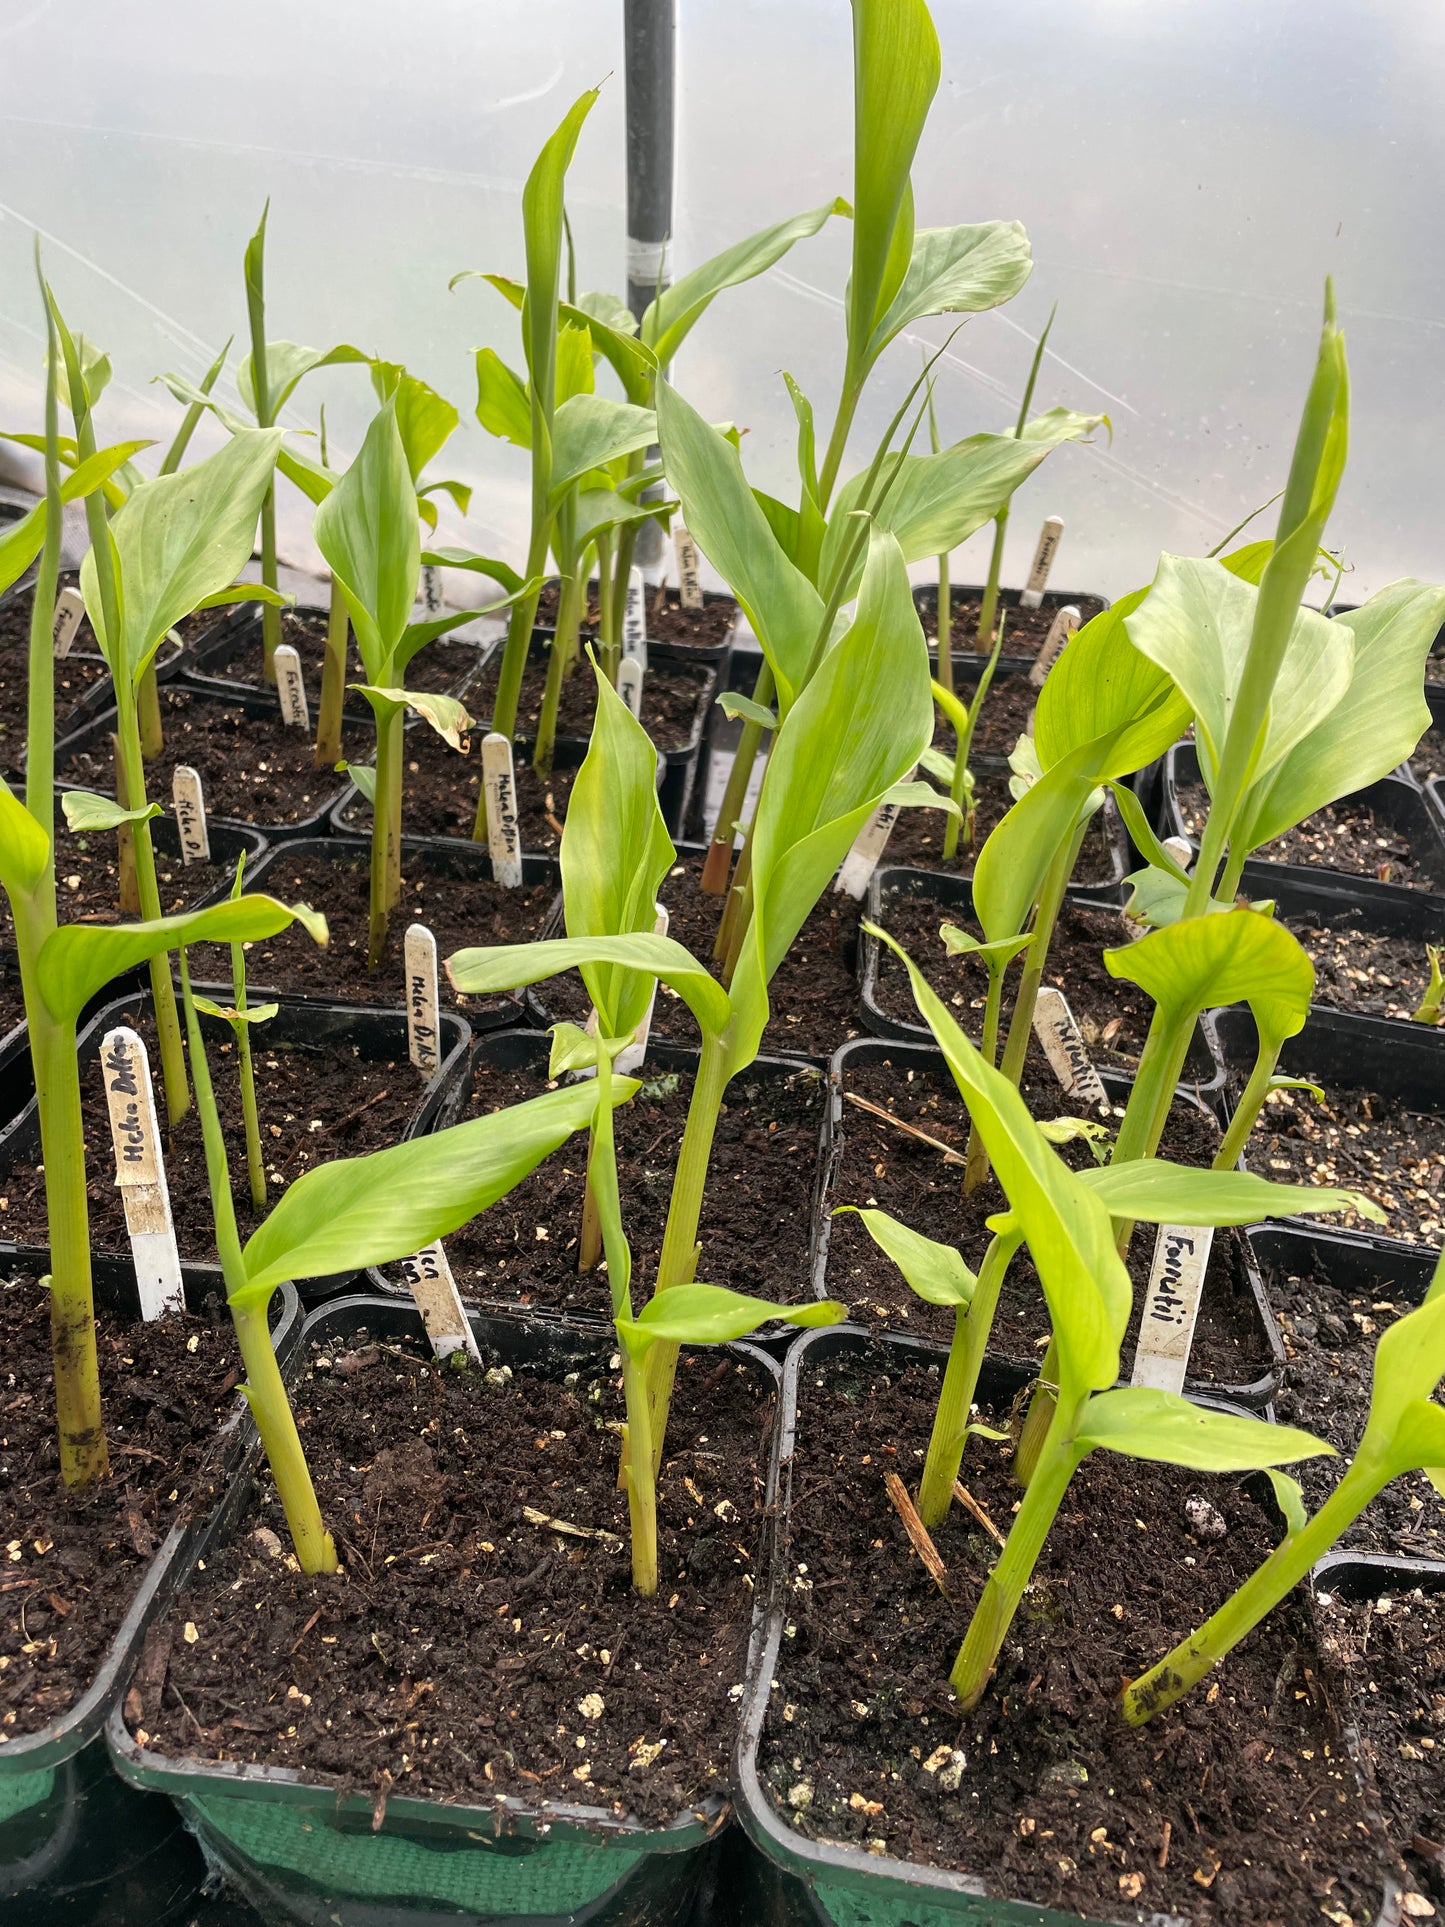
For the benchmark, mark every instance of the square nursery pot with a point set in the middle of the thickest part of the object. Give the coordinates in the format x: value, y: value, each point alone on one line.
x: 708, y: 635
x: 794, y: 1880
x: 893, y: 895
x: 1356, y: 1060
x: 371, y: 1036
x: 1024, y: 629
x: 1242, y: 1332
x: 304, y: 1849
x: 435, y: 863
x: 1396, y: 806
x: 65, y: 1847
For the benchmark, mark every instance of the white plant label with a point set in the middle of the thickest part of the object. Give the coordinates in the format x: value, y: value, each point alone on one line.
x: 430, y: 1281
x: 689, y: 579
x: 1181, y: 849
x: 190, y: 805
x: 423, y: 1020
x: 634, y: 617
x: 504, y: 834
x: 1171, y: 1305
x: 1052, y: 647
x: 140, y: 1172
x: 69, y: 608
x: 1050, y: 535
x: 290, y: 688
x: 1064, y: 1047
x: 856, y: 870
x: 630, y: 674
x: 431, y: 590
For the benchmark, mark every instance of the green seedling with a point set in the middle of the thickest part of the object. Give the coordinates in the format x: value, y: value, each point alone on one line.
x: 1428, y: 1010
x: 988, y: 606
x: 954, y: 770
x: 241, y: 1016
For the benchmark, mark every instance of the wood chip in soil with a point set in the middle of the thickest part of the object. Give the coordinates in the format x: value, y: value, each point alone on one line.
x: 1364, y: 1141
x: 466, y: 1653
x: 671, y: 700
x: 1056, y: 1801
x: 754, y: 1227
x: 1346, y: 836
x: 73, y: 1560
x: 877, y: 1164
x: 667, y: 620
x: 439, y: 794
x: 315, y: 1103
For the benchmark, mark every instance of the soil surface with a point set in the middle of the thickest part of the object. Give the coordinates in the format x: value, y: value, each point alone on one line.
x: 667, y: 620
x: 1330, y: 1337
x: 314, y: 1103
x: 878, y: 1164
x: 1391, y: 1651
x: 252, y: 768
x: 918, y: 835
x: 464, y: 1652
x: 671, y: 700
x: 1024, y: 629
x: 1429, y: 757
x: 755, y: 1218
x: 1345, y: 836
x: 1359, y: 970
x: 1007, y: 714
x: 441, y: 667
x: 1363, y: 1140
x: 75, y: 1559
x: 459, y: 911
x: 440, y: 788
x: 1239, y: 1805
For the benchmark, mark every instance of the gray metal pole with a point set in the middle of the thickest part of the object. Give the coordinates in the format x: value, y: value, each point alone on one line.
x: 650, y: 34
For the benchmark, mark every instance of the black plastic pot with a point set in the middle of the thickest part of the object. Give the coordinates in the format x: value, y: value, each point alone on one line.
x: 866, y: 1050
x: 306, y: 1851
x: 925, y: 600
x: 433, y: 857
x: 1404, y: 1063
x: 75, y: 1846
x: 1396, y: 799
x: 1201, y: 1073
x: 375, y: 1035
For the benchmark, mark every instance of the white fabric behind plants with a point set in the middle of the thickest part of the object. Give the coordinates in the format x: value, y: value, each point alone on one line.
x: 1188, y: 170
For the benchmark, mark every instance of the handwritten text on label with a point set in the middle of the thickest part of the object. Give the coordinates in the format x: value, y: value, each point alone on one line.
x: 689, y: 580
x: 190, y: 805
x: 1050, y: 535
x: 69, y: 608
x: 290, y: 688
x: 1171, y: 1305
x: 430, y: 1281
x: 140, y: 1172
x: 1056, y: 1030
x: 504, y: 835
x: 423, y: 1026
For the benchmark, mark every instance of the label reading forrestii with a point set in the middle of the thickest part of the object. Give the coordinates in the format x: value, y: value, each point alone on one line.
x: 1171, y: 1306
x: 1052, y: 647
x: 1050, y: 535
x: 290, y: 688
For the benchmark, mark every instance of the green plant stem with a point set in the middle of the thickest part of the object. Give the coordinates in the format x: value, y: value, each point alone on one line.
x: 333, y: 682
x: 1005, y: 1587
x: 1160, y: 1063
x: 945, y: 623
x: 717, y: 865
x: 514, y: 657
x: 255, y: 1162
x: 1039, y: 1417
x: 148, y: 714
x: 564, y: 641
x: 992, y: 1009
x: 838, y: 440
x: 270, y: 617
x: 738, y: 912
x: 265, y: 1389
x: 988, y: 608
x: 1279, y: 1574
x: 1228, y: 887
x: 163, y: 991
x: 609, y: 637
x: 385, y: 832
x: 971, y: 1327
x: 1247, y: 1110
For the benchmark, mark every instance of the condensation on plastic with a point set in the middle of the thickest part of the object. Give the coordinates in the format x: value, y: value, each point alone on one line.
x: 1188, y: 173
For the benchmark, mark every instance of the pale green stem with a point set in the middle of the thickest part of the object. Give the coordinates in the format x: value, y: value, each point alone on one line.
x: 1250, y: 1104
x: 385, y: 832
x: 1039, y: 1417
x: 971, y: 1328
x: 988, y: 609
x: 270, y: 616
x: 333, y: 683
x: 148, y: 714
x: 163, y: 991
x: 564, y: 642
x: 945, y: 625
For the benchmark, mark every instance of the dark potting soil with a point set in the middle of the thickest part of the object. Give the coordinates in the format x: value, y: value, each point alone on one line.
x: 1359, y: 1139
x: 441, y: 667
x: 755, y: 1216
x: 1024, y: 629
x: 1429, y: 757
x: 1330, y: 1337
x: 1344, y: 836
x: 1112, y: 1014
x: 465, y: 1652
x: 667, y: 620
x: 670, y: 700
x: 1391, y: 1653
x: 252, y: 768
x: 439, y: 794
x: 1006, y: 715
x: 75, y: 1559
x: 1360, y: 970
x: 918, y: 835
x: 881, y: 1165
x: 1239, y: 1805
x: 314, y: 1103
x: 459, y: 911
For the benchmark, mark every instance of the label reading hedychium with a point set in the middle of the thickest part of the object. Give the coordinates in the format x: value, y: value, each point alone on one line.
x: 1065, y: 1049
x: 1171, y: 1306
x: 430, y: 1281
x: 634, y: 617
x: 1050, y: 535
x: 190, y: 806
x: 1052, y: 647
x: 689, y: 576
x: 504, y: 833
x: 423, y: 1022
x: 140, y: 1172
x: 290, y: 688
x: 630, y: 676
x: 69, y: 608
x: 856, y: 870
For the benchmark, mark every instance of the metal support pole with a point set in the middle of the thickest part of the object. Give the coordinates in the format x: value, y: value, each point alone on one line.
x: 650, y: 32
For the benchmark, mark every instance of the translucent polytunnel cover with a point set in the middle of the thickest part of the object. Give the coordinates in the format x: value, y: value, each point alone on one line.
x: 1188, y: 172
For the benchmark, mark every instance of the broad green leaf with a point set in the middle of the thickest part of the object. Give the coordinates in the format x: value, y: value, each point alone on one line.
x: 79, y: 959
x: 498, y: 571
x: 227, y: 1013
x: 246, y: 592
x: 417, y: 635
x: 512, y: 966
x: 459, y: 492
x: 670, y: 318
x: 1141, y: 830
x: 367, y: 531
x: 1289, y: 1497
x: 575, y: 375
x: 896, y: 67
x: 957, y: 270
x: 177, y: 540
x: 919, y: 796
x: 542, y: 200
x: 1157, y: 1192
x: 785, y: 523
x: 615, y: 853
x: 1157, y: 898
x: 782, y: 606
x: 447, y: 716
x: 589, y: 431
x: 1145, y: 1423
x: 597, y: 509
x: 22, y: 541
x: 993, y: 956
x: 287, y: 364
x: 600, y: 304
x: 371, y: 1210
x: 735, y: 706
x: 424, y: 419
x: 632, y: 360
x: 85, y: 810
x: 936, y: 1272
x: 1237, y: 957
x: 1099, y: 685
x: 710, y: 1315
x: 24, y: 846
x: 364, y: 777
